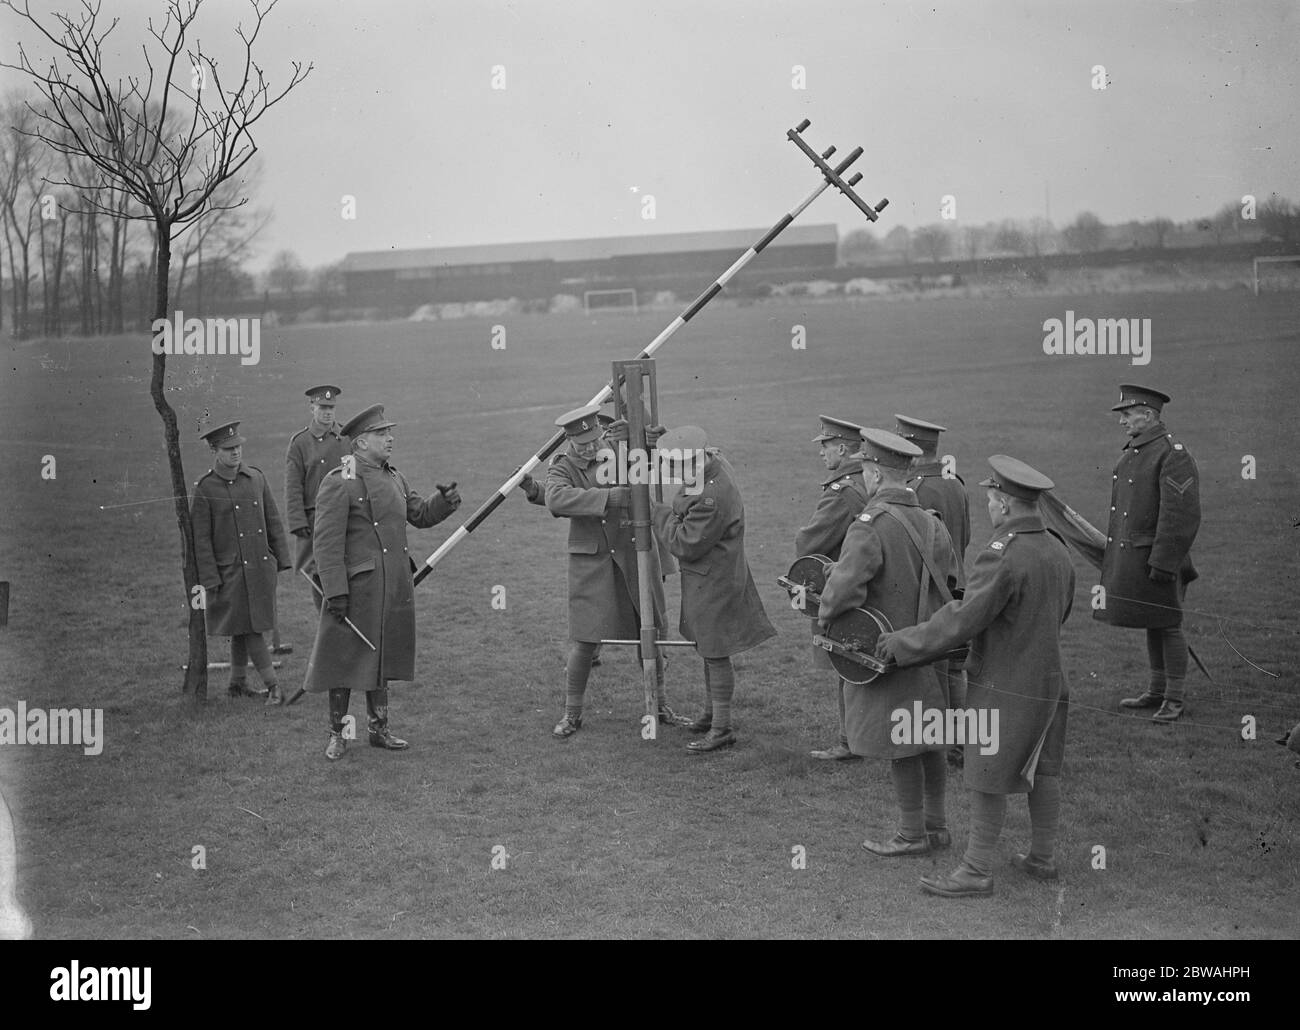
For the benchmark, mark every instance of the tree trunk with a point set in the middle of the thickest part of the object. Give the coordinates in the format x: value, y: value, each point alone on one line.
x: 58, y: 277
x: 113, y: 285
x: 24, y: 296
x: 119, y: 301
x: 83, y: 279
x: 97, y: 298
x: 13, y: 287
x: 45, y: 283
x: 196, y: 676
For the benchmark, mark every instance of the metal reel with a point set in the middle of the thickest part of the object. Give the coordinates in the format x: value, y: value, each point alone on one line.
x: 805, y: 582
x: 851, y: 643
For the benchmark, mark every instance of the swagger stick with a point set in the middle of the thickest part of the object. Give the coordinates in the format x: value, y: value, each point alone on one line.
x: 315, y: 586
x: 351, y: 625
x: 830, y: 177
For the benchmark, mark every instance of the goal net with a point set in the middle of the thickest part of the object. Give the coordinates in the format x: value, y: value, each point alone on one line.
x: 609, y: 300
x: 1277, y: 274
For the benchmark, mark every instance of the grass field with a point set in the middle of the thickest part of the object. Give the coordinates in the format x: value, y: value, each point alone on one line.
x: 607, y: 835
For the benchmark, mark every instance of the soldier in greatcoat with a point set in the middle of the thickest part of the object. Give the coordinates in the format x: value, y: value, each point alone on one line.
x: 603, y: 581
x: 362, y: 558
x: 535, y: 491
x: 704, y: 528
x: 945, y: 495
x: 885, y: 564
x: 843, y: 496
x: 1019, y: 594
x: 313, y: 451
x: 240, y: 546
x: 1155, y: 511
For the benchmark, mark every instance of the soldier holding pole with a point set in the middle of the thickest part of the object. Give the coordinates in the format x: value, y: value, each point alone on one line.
x: 704, y: 528
x: 605, y: 586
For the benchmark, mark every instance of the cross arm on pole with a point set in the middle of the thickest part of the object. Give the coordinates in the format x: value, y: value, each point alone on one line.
x: 834, y: 175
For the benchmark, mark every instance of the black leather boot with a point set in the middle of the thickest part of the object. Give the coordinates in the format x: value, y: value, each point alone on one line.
x: 377, y: 710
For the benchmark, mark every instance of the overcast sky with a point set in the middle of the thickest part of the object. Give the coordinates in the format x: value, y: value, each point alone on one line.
x: 991, y: 101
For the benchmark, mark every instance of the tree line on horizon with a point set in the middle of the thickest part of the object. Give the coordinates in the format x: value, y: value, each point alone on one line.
x: 1276, y: 218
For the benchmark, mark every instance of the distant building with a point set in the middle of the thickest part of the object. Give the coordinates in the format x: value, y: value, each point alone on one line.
x: 681, y: 262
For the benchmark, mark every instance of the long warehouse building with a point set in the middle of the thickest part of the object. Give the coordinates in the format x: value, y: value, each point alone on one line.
x: 680, y: 262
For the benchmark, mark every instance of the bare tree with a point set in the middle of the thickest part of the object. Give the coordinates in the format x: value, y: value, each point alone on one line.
x: 166, y: 139
x: 858, y: 246
x: 53, y: 251
x: 1086, y: 234
x: 899, y: 241
x: 1010, y: 237
x: 1160, y: 228
x: 286, y: 273
x: 1042, y: 236
x: 1280, y: 219
x: 1225, y: 221
x: 22, y: 170
x: 329, y: 286
x: 933, y: 241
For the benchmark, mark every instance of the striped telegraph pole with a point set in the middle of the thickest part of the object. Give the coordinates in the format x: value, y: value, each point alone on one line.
x: 830, y: 177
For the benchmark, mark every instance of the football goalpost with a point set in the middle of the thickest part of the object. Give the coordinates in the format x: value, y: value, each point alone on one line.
x: 1277, y: 273
x: 609, y: 300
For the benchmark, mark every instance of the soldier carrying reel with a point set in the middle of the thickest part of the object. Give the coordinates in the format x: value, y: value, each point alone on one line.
x: 850, y: 640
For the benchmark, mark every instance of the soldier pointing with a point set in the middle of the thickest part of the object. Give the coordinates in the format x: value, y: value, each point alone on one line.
x: 362, y: 558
